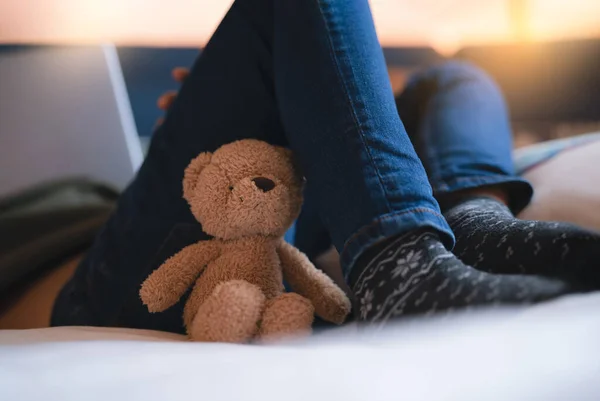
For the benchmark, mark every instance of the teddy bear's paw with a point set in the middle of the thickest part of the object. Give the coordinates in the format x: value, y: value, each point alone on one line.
x: 230, y: 314
x: 156, y: 296
x: 288, y: 315
x: 332, y: 304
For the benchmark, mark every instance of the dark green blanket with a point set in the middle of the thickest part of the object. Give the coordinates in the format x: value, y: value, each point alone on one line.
x: 43, y: 225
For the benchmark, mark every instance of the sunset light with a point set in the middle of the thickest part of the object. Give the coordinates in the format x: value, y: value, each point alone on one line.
x: 444, y: 24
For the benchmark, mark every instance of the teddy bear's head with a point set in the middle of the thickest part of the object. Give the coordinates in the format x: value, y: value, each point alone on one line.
x: 244, y: 188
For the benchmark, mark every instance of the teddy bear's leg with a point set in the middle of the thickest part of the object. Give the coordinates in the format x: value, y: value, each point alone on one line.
x: 289, y: 314
x: 230, y: 314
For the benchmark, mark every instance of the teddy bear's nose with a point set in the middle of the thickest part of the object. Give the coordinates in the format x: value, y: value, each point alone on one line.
x: 264, y: 184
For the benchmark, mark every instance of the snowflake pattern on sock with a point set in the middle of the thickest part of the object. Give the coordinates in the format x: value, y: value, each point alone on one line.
x: 491, y: 239
x: 415, y: 274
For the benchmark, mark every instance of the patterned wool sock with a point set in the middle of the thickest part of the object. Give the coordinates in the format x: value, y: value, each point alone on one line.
x: 415, y: 274
x: 491, y: 239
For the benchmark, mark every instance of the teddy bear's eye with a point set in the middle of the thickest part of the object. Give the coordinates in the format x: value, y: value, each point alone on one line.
x: 231, y: 187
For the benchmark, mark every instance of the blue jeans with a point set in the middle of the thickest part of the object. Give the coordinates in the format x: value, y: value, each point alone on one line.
x: 308, y: 74
x: 457, y: 120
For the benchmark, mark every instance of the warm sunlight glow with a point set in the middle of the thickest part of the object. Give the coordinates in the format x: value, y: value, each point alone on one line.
x: 445, y: 24
x: 554, y: 19
x: 145, y: 22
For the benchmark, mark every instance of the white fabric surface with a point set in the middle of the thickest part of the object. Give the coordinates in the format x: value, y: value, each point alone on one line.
x: 547, y: 352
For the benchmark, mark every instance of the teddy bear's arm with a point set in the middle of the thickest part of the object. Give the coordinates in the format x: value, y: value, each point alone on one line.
x: 167, y: 284
x: 330, y: 302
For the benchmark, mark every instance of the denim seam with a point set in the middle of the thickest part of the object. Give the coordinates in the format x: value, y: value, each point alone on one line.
x: 447, y: 184
x: 388, y: 217
x: 351, y: 105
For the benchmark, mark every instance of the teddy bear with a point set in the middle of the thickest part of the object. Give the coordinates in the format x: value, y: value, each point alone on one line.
x: 245, y: 195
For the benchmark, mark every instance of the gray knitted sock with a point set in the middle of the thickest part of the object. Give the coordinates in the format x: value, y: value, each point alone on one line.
x: 491, y: 239
x: 415, y: 274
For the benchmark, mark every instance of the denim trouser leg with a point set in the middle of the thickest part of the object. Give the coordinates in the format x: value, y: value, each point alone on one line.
x: 227, y: 96
x: 340, y: 118
x: 459, y: 124
x: 304, y: 73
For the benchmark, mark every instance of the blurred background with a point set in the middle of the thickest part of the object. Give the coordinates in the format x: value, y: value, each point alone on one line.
x: 544, y: 53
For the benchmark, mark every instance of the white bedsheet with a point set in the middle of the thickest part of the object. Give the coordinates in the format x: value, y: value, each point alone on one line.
x: 547, y: 352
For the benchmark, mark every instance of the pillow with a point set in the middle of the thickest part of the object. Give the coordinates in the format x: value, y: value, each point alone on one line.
x: 566, y: 181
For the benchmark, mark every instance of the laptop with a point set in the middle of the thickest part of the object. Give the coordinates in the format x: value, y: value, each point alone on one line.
x: 64, y: 112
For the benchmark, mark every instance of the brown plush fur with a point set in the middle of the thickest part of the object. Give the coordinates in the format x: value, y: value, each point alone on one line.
x: 288, y: 314
x: 246, y: 194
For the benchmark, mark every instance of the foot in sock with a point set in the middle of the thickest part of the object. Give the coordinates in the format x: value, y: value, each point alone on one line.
x: 491, y: 239
x: 415, y: 274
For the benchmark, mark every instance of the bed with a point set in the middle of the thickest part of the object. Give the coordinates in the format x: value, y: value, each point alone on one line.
x: 545, y: 352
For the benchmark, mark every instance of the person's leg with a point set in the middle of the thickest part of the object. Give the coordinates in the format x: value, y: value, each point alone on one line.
x: 371, y: 191
x: 338, y: 112
x: 459, y: 124
x: 227, y: 96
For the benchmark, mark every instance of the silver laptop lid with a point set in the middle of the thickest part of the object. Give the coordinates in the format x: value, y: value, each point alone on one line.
x: 64, y: 112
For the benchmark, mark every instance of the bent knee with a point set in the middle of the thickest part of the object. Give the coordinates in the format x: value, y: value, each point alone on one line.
x: 452, y: 72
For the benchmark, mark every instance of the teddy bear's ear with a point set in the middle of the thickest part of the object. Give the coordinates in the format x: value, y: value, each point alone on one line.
x: 289, y: 155
x: 193, y: 170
